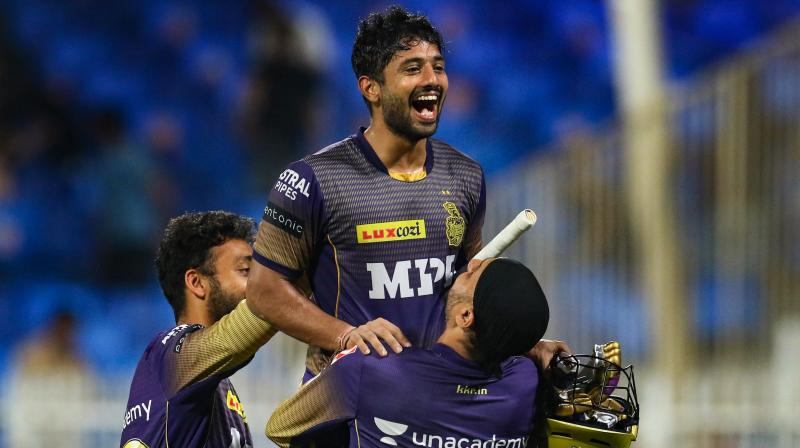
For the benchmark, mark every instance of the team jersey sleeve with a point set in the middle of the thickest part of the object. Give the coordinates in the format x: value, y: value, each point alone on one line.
x: 191, y: 353
x: 292, y: 224
x: 329, y: 400
x: 472, y: 237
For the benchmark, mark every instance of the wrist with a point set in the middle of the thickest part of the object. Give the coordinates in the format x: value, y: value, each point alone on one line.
x: 341, y: 340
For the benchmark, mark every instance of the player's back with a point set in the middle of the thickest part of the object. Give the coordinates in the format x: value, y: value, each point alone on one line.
x: 432, y: 398
x: 436, y: 398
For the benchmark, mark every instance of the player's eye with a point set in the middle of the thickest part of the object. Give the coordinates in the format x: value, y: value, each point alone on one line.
x: 412, y: 69
x: 439, y: 68
x: 244, y: 271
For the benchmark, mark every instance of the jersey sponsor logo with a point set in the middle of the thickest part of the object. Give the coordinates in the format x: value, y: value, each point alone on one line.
x: 179, y: 345
x: 235, y: 405
x: 136, y: 412
x: 135, y: 443
x: 429, y: 271
x: 454, y: 224
x: 471, y: 390
x: 173, y: 332
x: 381, y: 232
x: 178, y: 330
x: 290, y: 183
x: 283, y: 220
x: 390, y: 429
x: 393, y: 429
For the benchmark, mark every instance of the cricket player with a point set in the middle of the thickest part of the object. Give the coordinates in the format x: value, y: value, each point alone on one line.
x: 373, y: 227
x: 469, y: 390
x: 181, y: 395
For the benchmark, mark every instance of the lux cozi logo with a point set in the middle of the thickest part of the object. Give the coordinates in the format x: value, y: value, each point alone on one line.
x: 391, y: 231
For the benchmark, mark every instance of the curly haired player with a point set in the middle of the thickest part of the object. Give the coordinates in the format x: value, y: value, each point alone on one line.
x: 180, y: 395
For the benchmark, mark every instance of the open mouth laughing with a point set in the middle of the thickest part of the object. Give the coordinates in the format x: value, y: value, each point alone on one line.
x: 426, y: 106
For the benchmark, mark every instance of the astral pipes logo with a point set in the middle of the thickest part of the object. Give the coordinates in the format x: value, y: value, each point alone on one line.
x: 434, y: 441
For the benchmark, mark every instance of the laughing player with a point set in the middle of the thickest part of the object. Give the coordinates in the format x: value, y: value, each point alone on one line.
x: 180, y: 394
x: 466, y: 390
x: 372, y: 227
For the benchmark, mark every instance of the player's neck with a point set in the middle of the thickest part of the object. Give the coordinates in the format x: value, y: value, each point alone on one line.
x: 457, y: 341
x: 194, y: 315
x: 396, y: 153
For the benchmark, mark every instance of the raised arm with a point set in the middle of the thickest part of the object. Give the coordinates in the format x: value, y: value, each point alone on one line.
x: 276, y: 299
x: 291, y: 231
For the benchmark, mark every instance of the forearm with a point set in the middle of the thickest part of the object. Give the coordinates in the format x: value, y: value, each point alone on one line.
x: 277, y: 300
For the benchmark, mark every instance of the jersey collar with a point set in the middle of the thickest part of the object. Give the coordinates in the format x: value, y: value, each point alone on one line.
x: 369, y: 153
x: 449, y: 354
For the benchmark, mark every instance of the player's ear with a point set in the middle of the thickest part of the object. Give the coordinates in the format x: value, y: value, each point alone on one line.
x: 465, y: 317
x: 195, y: 283
x: 370, y: 88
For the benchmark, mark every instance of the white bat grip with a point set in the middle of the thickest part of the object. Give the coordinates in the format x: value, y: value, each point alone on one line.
x: 522, y: 222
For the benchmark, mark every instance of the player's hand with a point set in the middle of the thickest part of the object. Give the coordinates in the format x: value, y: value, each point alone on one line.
x: 372, y: 332
x: 544, y: 351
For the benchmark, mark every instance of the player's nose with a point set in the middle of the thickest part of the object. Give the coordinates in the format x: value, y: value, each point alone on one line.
x: 429, y: 75
x: 473, y: 265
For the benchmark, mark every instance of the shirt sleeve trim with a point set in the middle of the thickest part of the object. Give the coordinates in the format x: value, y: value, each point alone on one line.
x: 292, y: 274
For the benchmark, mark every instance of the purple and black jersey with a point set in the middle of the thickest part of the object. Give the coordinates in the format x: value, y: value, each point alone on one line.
x: 372, y: 245
x: 432, y: 398
x: 180, y: 394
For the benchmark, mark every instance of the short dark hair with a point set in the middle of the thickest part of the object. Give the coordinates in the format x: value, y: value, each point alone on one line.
x: 187, y: 243
x: 381, y: 35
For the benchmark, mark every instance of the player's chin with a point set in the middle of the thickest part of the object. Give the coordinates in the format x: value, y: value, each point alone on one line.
x: 425, y: 129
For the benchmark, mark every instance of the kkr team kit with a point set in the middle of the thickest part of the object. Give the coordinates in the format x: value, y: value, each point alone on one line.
x: 366, y: 243
x: 363, y: 243
x: 180, y: 394
x: 429, y: 398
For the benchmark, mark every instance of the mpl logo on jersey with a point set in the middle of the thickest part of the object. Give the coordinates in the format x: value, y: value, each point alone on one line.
x: 428, y: 273
x: 381, y: 232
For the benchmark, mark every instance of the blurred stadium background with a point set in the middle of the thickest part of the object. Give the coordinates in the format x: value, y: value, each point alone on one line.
x: 658, y: 142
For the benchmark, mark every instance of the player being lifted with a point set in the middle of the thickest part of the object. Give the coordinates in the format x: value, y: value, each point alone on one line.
x: 373, y: 227
x: 180, y: 394
x: 377, y: 222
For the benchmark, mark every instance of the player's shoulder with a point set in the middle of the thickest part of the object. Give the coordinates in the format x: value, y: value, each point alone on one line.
x: 171, y: 340
x: 395, y: 362
x: 519, y: 363
x: 337, y: 152
x: 451, y: 155
x: 520, y: 369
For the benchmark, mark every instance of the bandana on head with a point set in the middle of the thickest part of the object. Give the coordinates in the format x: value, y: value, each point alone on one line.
x: 511, y: 311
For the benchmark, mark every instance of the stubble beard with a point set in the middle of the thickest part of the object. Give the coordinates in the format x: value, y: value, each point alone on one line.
x: 221, y: 302
x: 397, y: 116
